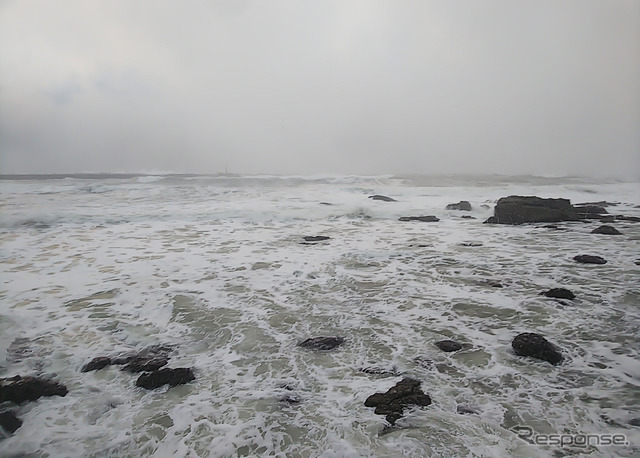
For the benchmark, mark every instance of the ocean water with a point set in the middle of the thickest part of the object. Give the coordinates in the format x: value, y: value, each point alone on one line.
x: 214, y: 267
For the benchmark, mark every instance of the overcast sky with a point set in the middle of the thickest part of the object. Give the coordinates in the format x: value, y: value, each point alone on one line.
x: 314, y: 87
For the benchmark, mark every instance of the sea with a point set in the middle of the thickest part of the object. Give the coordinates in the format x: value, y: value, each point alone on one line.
x: 216, y: 267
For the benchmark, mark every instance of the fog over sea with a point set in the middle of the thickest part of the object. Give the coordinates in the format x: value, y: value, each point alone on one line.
x: 215, y: 267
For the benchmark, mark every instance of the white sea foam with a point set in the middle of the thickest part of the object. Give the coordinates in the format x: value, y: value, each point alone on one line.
x: 215, y: 267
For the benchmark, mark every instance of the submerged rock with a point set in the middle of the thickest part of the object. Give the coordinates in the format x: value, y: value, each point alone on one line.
x: 531, y: 209
x: 462, y: 205
x: 606, y: 230
x: 315, y: 238
x: 382, y: 198
x: 405, y: 393
x: 375, y: 370
x: 559, y: 293
x: 21, y: 389
x: 449, y: 345
x: 465, y: 410
x: 424, y: 219
x: 96, y: 364
x: 322, y: 343
x: 9, y: 421
x: 589, y: 259
x: 535, y: 346
x: 166, y: 376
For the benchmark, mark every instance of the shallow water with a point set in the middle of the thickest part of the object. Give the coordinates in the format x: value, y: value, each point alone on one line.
x: 215, y: 267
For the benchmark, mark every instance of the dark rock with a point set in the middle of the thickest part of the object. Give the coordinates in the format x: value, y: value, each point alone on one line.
x: 536, y: 346
x: 608, y: 219
x: 491, y: 220
x: 464, y: 410
x: 21, y: 389
x: 449, y: 345
x: 588, y: 259
x: 634, y: 219
x: 590, y: 211
x: 531, y: 209
x: 373, y: 370
x: 145, y: 364
x: 634, y: 422
x: 606, y: 230
x: 559, y: 293
x: 405, y: 393
x: 495, y: 284
x: 424, y: 219
x: 166, y: 376
x: 315, y: 238
x: 468, y: 217
x: 462, y: 205
x: 326, y: 203
x: 601, y: 203
x: 382, y: 198
x: 471, y: 244
x: 9, y: 422
x: 96, y: 364
x: 637, y: 262
x: 322, y: 343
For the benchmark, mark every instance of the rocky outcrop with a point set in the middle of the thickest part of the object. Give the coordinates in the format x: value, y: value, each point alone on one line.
x: 462, y: 205
x: 424, y: 219
x: 606, y: 230
x: 322, y: 343
x: 382, y: 198
x: 9, y: 421
x: 531, y: 209
x: 589, y: 259
x: 535, y: 346
x: 448, y: 345
x: 96, y: 364
x: 405, y: 393
x: 559, y: 293
x: 21, y: 389
x: 166, y: 376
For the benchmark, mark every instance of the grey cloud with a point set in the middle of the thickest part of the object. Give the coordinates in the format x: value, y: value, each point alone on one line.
x: 322, y: 87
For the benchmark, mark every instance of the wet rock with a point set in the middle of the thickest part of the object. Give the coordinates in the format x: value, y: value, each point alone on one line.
x: 590, y: 211
x: 468, y: 217
x: 322, y: 343
x: 471, y: 244
x: 315, y: 238
x: 535, y: 346
x: 424, y: 219
x: 601, y: 203
x: 634, y: 422
x: 382, y: 198
x: 166, y: 376
x: 9, y: 421
x: 326, y: 203
x: 462, y: 205
x: 634, y: 219
x: 96, y: 364
x: 559, y: 293
x: 637, y: 262
x: 589, y: 259
x: 531, y: 209
x: 20, y: 389
x: 405, y: 393
x: 448, y: 345
x: 145, y: 364
x: 606, y: 230
x: 465, y: 410
x: 607, y: 219
x: 374, y: 370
